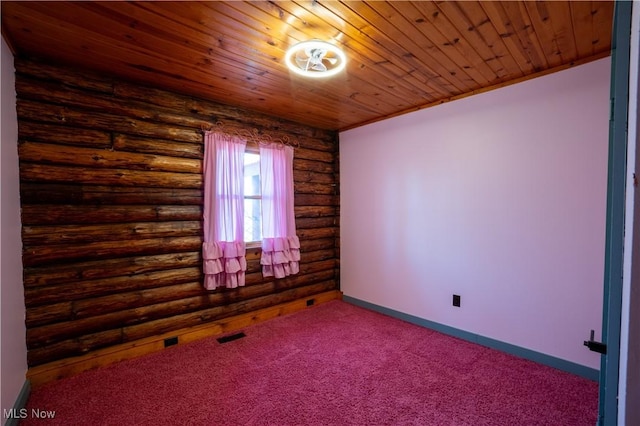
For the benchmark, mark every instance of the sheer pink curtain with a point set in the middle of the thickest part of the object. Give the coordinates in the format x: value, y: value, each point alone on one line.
x: 280, y: 244
x: 223, y: 249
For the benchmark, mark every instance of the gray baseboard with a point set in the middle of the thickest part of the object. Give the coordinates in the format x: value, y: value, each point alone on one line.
x: 20, y: 404
x: 551, y: 361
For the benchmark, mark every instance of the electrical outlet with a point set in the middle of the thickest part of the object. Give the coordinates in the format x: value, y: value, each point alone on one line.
x: 170, y: 341
x: 310, y: 302
x: 456, y: 300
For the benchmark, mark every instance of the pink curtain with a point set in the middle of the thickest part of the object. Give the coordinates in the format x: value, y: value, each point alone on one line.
x: 223, y: 249
x: 280, y: 244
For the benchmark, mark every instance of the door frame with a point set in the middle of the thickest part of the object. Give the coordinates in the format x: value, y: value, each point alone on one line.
x: 616, y: 188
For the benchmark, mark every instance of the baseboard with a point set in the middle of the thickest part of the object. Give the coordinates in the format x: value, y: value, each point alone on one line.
x: 72, y: 366
x: 18, y: 412
x: 551, y: 361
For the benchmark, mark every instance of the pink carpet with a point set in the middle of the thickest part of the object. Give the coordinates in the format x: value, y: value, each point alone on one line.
x: 332, y: 364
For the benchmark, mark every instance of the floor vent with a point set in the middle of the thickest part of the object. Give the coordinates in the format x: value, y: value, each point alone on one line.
x: 231, y: 337
x: 171, y: 341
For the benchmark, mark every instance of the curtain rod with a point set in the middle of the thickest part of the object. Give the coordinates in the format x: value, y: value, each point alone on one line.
x: 251, y: 136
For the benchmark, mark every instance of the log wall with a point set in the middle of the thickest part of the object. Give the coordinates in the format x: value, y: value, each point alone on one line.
x: 111, y: 197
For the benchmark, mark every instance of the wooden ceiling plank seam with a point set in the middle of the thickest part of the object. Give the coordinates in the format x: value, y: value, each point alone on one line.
x: 468, y: 31
x: 602, y: 12
x: 379, y: 81
x: 59, y: 29
x: 451, y: 39
x: 436, y: 40
x: 541, y: 22
x: 355, y: 22
x: 380, y: 85
x: 370, y: 55
x: 582, y: 27
x: 390, y: 48
x: 562, y: 28
x: 481, y: 24
x: 333, y: 86
x: 423, y: 54
x: 285, y: 78
x: 367, y: 59
x: 238, y: 47
x: 166, y: 42
x: 505, y: 30
x: 521, y: 23
x: 263, y: 84
x: 422, y: 62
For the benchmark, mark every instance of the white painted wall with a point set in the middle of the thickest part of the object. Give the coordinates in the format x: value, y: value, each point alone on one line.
x: 13, y: 349
x: 629, y: 376
x: 500, y: 198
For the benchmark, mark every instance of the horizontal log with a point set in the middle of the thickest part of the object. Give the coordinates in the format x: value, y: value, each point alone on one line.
x: 124, y: 267
x: 45, y: 372
x: 312, y: 177
x: 171, y: 101
x: 92, y: 288
x: 314, y: 211
x: 176, y: 322
x: 319, y: 255
x: 313, y: 245
x: 124, y: 142
x: 153, y: 96
x: 315, y: 155
x: 316, y: 222
x: 91, y: 316
x: 76, y: 117
x: 159, y: 98
x: 67, y: 214
x: 312, y: 166
x: 306, y: 267
x: 51, y: 193
x: 48, y: 314
x: 134, y: 232
x: 136, y: 307
x: 45, y: 153
x: 152, y: 303
x: 67, y: 76
x: 63, y: 135
x: 46, y: 92
x: 314, y: 188
x: 119, y: 177
x: 317, y: 233
x: 123, y: 232
x: 235, y: 118
x: 73, y: 347
x: 316, y: 200
x: 90, y: 251
x: 69, y: 367
x: 37, y: 296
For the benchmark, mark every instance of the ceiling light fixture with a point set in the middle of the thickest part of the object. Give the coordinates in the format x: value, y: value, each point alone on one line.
x: 315, y: 58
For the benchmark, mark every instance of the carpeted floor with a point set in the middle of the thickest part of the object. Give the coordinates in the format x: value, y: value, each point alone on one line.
x: 333, y: 364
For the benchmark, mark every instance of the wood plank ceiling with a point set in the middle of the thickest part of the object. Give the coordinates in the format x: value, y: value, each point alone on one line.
x: 402, y: 56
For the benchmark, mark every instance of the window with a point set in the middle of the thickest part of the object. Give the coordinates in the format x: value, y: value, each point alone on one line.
x: 252, y: 198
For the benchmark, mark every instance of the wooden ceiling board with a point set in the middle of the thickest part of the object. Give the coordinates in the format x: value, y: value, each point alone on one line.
x: 402, y: 56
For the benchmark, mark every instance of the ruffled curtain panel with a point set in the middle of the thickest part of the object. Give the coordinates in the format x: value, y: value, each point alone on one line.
x: 280, y: 244
x: 223, y: 249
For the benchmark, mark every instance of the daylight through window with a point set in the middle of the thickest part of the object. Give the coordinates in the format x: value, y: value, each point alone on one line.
x: 252, y: 198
